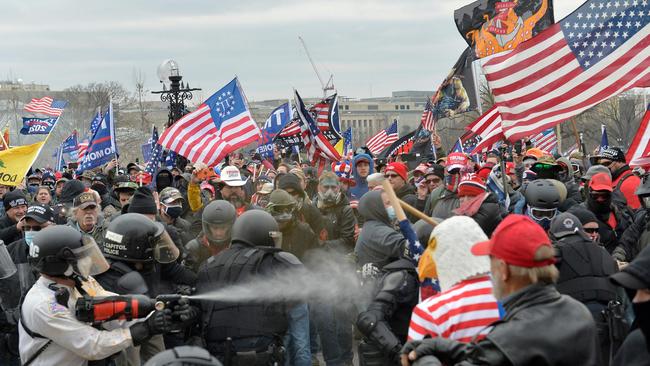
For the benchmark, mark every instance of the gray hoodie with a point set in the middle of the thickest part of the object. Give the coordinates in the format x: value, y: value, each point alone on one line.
x: 378, y: 242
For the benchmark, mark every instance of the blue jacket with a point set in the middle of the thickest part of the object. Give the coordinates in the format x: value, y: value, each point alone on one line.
x: 361, y: 187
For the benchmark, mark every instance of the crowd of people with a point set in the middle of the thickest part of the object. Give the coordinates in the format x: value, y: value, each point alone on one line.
x: 535, y: 259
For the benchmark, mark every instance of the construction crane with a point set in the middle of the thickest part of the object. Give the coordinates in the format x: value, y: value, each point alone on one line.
x: 330, y: 82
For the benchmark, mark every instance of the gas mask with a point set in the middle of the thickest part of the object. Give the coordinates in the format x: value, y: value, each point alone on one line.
x: 330, y: 196
x: 283, y: 215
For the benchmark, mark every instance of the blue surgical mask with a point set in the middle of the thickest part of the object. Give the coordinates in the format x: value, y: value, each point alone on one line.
x: 29, y: 237
x: 174, y: 211
x: 390, y: 210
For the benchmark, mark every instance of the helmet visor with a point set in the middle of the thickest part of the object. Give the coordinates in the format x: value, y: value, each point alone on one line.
x: 218, y: 233
x: 164, y: 249
x: 7, y: 267
x: 90, y: 260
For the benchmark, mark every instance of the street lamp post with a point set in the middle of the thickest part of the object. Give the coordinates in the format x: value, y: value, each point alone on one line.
x: 176, y: 96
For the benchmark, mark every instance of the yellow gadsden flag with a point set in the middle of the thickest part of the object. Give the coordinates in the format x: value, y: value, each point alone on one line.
x: 15, y: 162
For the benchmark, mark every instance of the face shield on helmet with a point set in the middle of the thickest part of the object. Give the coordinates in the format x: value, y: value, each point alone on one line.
x: 7, y: 266
x: 218, y: 234
x: 164, y: 249
x: 90, y: 260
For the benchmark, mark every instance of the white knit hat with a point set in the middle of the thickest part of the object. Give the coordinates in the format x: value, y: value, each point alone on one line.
x: 455, y: 237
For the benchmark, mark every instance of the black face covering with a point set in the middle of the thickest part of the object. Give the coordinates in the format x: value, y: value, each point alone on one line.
x: 601, y: 209
x: 642, y: 312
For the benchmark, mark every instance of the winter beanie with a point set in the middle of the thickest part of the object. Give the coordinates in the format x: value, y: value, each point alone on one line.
x: 455, y: 262
x: 71, y: 189
x: 142, y: 202
x: 13, y: 199
x: 290, y: 181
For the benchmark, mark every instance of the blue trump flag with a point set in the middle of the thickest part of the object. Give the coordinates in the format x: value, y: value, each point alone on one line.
x: 347, y: 141
x: 604, y: 143
x: 70, y: 143
x: 95, y: 122
x: 38, y: 126
x: 102, y: 147
x: 274, y: 124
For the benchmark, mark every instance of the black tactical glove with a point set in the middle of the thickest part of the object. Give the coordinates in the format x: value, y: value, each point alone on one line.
x: 447, y: 350
x: 157, y: 323
x: 185, y: 290
x: 184, y: 312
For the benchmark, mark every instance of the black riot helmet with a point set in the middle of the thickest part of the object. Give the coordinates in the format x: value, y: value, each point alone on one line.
x: 133, y: 237
x: 217, y: 219
x: 256, y: 228
x: 644, y: 192
x: 62, y: 251
x: 183, y: 356
x: 543, y: 197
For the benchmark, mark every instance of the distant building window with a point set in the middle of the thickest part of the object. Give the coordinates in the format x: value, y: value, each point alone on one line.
x: 373, y: 107
x: 340, y: 106
x: 408, y: 106
x: 347, y: 107
x: 396, y: 107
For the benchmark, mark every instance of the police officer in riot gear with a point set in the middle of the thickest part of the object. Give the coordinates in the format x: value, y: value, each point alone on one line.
x: 585, y: 268
x: 133, y: 242
x: 217, y: 220
x: 49, y: 332
x: 384, y: 323
x: 245, y: 332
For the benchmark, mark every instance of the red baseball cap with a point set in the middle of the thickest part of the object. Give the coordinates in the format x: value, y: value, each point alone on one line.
x: 515, y: 241
x: 456, y: 160
x: 398, y: 168
x: 601, y: 182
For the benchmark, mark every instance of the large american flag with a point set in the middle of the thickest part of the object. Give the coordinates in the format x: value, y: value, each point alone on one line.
x: 546, y: 140
x: 292, y: 128
x: 156, y: 154
x: 219, y: 126
x: 597, y: 52
x: 488, y: 128
x: 640, y: 146
x: 427, y: 120
x: 321, y: 112
x: 46, y: 105
x: 382, y: 139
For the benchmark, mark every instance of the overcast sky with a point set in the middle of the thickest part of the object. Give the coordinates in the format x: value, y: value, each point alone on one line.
x: 372, y: 47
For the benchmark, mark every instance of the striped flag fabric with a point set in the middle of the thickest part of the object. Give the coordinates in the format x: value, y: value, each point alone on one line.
x: 222, y: 124
x: 156, y: 154
x: 382, y: 139
x: 639, y: 151
x: 427, y: 120
x: 488, y: 128
x: 318, y: 146
x: 47, y: 106
x: 321, y: 112
x: 293, y: 128
x: 595, y: 53
x: 82, y: 147
x: 546, y: 140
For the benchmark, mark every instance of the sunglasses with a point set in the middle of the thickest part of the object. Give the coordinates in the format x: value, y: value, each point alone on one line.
x: 591, y: 230
x: 433, y: 181
x: 599, y: 195
x: 391, y: 176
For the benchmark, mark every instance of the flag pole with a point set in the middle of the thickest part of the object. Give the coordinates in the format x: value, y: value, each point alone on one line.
x: 577, y: 135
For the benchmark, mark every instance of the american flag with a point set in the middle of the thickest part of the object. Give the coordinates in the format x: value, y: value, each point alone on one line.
x: 546, y: 140
x: 81, y: 150
x: 95, y: 123
x: 382, y: 139
x: 219, y: 126
x: 321, y: 112
x: 597, y: 52
x: 427, y: 117
x: 46, y: 105
x: 488, y: 128
x: 156, y: 154
x: 293, y: 128
x: 319, y: 149
x: 640, y: 146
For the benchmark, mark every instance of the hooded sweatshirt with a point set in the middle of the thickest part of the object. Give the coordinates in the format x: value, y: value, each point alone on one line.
x: 361, y: 184
x: 379, y: 242
x: 573, y: 189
